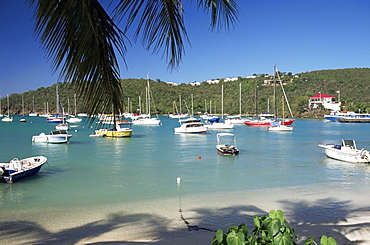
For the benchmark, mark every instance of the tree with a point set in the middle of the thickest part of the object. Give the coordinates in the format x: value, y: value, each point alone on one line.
x: 81, y: 38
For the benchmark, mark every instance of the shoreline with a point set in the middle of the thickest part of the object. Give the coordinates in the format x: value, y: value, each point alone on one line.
x: 311, y: 210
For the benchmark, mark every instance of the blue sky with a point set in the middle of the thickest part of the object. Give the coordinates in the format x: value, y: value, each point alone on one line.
x: 295, y: 35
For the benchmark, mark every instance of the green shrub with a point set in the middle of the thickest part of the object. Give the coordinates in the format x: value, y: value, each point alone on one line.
x: 273, y: 229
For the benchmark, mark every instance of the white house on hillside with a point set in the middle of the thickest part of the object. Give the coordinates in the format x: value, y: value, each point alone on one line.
x: 327, y: 101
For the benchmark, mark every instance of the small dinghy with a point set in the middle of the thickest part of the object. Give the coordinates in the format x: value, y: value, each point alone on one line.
x: 226, y: 144
x: 17, y: 169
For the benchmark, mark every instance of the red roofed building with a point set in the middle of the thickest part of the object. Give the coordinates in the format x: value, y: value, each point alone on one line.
x: 328, y: 101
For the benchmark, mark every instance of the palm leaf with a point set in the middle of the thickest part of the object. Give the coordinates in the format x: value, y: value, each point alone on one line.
x: 161, y: 24
x: 81, y: 38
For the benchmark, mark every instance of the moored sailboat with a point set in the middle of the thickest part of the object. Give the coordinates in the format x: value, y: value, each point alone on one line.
x: 7, y: 118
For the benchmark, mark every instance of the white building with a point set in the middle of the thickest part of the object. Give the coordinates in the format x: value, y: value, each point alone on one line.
x: 327, y: 101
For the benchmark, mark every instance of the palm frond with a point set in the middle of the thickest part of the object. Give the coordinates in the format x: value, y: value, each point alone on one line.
x: 223, y: 12
x: 81, y: 39
x: 161, y: 25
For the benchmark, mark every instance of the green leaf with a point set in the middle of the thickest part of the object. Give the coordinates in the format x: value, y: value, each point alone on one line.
x: 277, y: 214
x: 283, y: 239
x: 257, y: 221
x: 235, y: 238
x: 273, y: 226
x: 219, y: 235
x: 327, y: 241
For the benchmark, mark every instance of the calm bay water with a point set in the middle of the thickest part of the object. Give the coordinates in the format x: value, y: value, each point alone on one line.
x: 96, y: 171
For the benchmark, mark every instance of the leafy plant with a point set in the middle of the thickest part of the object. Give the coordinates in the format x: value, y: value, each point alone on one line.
x: 273, y: 229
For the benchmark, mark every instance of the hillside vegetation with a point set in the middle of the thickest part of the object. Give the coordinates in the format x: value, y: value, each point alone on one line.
x: 353, y: 84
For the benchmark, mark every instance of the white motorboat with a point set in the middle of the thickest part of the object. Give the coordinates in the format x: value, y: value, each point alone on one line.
x: 347, y: 152
x: 191, y: 125
x: 58, y: 136
x: 226, y: 144
x: 19, y: 169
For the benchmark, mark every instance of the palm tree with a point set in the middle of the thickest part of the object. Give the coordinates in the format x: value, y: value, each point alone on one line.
x: 80, y: 38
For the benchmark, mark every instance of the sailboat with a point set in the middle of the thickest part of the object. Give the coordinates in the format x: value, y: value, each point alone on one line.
x: 219, y: 123
x: 56, y: 118
x: 74, y: 119
x: 23, y: 119
x: 46, y: 113
x: 33, y: 113
x: 277, y: 124
x: 177, y: 114
x: 146, y: 119
x: 7, y: 118
x: 237, y: 119
x: 116, y: 128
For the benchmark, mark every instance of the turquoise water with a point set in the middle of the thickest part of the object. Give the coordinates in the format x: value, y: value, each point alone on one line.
x: 96, y: 171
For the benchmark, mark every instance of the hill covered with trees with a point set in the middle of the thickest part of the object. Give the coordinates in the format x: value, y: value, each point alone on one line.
x: 353, y: 84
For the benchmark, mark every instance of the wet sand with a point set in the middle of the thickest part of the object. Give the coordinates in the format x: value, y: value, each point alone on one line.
x: 312, y: 210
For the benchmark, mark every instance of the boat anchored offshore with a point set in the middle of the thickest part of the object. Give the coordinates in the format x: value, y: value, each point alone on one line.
x: 191, y: 125
x: 347, y: 152
x: 122, y: 129
x: 57, y: 136
x: 19, y: 169
x: 226, y: 144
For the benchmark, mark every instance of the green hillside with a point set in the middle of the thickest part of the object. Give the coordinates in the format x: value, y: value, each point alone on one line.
x: 353, y: 84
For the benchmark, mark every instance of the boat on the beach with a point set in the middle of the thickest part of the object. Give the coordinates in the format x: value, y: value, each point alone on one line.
x: 226, y: 144
x: 16, y: 169
x: 190, y: 125
x: 346, y: 152
x: 56, y: 137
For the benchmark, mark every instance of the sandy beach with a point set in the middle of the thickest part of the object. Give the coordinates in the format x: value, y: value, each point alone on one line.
x: 314, y: 210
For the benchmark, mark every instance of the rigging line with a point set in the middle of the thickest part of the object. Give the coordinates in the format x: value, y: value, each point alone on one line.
x: 286, y: 99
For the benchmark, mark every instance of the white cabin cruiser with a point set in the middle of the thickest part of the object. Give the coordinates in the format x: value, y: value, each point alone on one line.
x: 347, y: 152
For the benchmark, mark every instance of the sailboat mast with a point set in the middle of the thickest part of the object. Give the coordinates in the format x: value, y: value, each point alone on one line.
x: 192, y: 105
x: 147, y: 78
x: 8, y: 103
x: 75, y: 106
x: 22, y: 106
x: 275, y: 111
x: 240, y: 99
x: 256, y: 100
x: 222, y: 101
x: 57, y: 100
